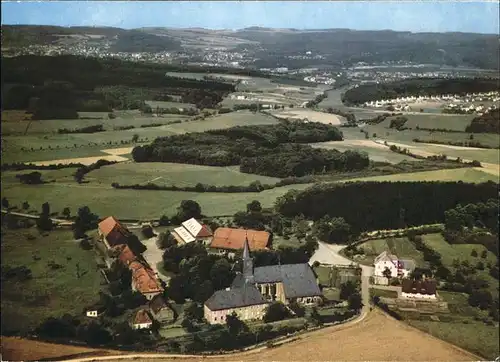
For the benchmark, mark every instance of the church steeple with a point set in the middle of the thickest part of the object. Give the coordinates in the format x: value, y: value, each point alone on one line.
x: 247, y: 261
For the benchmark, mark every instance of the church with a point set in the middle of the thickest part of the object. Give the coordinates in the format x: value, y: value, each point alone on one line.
x: 255, y: 288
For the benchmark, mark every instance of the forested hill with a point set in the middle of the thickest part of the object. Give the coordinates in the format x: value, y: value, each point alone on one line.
x: 384, y: 205
x: 271, y: 150
x: 57, y: 87
x: 418, y: 87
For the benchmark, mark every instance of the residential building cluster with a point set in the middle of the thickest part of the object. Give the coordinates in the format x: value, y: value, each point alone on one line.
x: 470, y: 103
x: 250, y: 293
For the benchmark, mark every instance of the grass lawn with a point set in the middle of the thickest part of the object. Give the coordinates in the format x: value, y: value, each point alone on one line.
x: 456, y: 122
x: 449, y: 252
x: 172, y: 332
x: 466, y: 174
x: 173, y: 174
x: 332, y: 294
x: 383, y: 293
x: 463, y: 330
x: 402, y: 247
x: 326, y: 276
x: 51, y: 292
x: 134, y: 204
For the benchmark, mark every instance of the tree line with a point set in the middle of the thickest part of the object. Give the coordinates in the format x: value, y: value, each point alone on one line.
x: 272, y: 150
x: 486, y: 123
x: 383, y: 205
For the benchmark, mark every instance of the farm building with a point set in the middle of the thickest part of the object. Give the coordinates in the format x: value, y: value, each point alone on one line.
x: 254, y: 288
x: 160, y: 310
x: 191, y: 230
x: 112, y: 232
x: 398, y: 267
x: 231, y: 240
x: 142, y: 320
x: 144, y: 280
x: 419, y: 289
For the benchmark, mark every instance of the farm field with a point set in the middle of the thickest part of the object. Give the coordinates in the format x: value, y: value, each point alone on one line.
x: 466, y: 174
x: 144, y: 204
x: 375, y: 151
x: 402, y: 247
x: 455, y: 122
x: 407, y: 136
x: 449, y: 252
x: 63, y: 145
x: 165, y: 104
x: 312, y: 116
x: 176, y: 174
x: 51, y: 292
x: 123, y: 119
x: 370, y: 340
x: 18, y: 349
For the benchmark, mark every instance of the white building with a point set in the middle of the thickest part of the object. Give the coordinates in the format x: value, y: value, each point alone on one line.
x: 142, y: 320
x: 398, y: 267
x: 191, y: 230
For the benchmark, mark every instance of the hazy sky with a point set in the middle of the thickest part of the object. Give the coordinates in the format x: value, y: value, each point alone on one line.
x: 417, y: 16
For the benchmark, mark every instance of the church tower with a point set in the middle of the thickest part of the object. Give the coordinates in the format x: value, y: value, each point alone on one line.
x: 247, y: 263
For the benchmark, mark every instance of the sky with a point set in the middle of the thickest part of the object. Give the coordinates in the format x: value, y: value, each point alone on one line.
x: 415, y: 16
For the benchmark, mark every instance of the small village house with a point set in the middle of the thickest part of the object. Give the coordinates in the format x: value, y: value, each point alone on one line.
x: 400, y: 268
x: 142, y: 320
x: 419, y: 289
x: 112, y: 232
x: 144, y: 280
x: 95, y: 311
x: 160, y: 310
x: 191, y: 230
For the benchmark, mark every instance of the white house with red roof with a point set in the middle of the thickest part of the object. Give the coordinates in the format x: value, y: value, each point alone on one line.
x: 400, y: 268
x: 191, y: 230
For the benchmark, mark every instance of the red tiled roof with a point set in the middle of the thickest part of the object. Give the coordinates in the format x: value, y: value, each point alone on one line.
x: 142, y: 317
x: 204, y: 232
x: 126, y: 256
x: 144, y: 279
x: 107, y: 225
x: 234, y: 239
x: 114, y: 232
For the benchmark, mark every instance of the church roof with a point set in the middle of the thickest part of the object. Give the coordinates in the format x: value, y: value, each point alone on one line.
x: 244, y: 296
x: 298, y: 279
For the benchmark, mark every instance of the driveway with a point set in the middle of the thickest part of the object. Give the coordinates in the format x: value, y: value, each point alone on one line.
x: 153, y: 255
x: 329, y: 254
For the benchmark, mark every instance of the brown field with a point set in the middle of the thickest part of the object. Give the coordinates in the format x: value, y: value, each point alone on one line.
x: 376, y: 338
x: 18, y: 349
x: 112, y: 154
x: 14, y: 116
x: 312, y: 116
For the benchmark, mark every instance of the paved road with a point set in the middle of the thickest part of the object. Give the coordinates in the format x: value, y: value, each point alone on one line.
x: 31, y: 216
x: 329, y: 254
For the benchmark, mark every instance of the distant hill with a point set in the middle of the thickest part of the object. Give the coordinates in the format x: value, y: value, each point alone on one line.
x: 274, y: 46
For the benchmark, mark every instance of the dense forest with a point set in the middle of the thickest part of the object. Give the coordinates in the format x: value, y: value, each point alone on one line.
x: 272, y: 150
x: 384, y: 205
x: 417, y: 87
x: 58, y: 87
x: 486, y: 123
